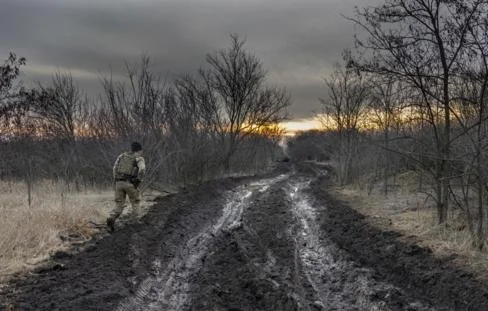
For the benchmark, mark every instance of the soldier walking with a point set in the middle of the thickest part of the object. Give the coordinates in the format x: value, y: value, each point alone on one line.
x: 128, y: 171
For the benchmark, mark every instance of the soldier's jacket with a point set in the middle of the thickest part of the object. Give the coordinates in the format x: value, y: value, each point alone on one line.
x: 129, y: 165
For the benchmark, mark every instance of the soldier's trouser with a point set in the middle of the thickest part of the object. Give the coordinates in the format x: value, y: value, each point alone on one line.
x: 123, y: 189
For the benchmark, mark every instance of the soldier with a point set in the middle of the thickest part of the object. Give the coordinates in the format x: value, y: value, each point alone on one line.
x: 128, y: 171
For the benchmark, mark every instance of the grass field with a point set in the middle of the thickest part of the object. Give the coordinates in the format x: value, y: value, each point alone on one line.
x: 28, y: 235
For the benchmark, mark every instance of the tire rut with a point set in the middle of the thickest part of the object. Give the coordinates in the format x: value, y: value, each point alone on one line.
x: 250, y: 267
x: 170, y: 288
x: 278, y: 260
x: 338, y: 283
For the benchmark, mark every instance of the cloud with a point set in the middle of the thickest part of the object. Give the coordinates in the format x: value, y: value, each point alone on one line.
x: 297, y: 40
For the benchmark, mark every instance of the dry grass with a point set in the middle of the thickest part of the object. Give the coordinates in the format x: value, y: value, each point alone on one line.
x: 28, y: 235
x: 411, y: 213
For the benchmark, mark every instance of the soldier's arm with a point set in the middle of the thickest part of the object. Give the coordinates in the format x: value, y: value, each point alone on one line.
x: 141, y: 165
x: 115, y: 166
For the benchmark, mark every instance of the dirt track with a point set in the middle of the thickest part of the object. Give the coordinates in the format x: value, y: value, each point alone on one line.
x: 276, y: 242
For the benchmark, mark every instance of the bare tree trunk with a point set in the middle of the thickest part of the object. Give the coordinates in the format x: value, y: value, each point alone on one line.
x: 386, y: 170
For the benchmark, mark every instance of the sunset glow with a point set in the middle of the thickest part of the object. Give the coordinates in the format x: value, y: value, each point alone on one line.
x: 294, y: 126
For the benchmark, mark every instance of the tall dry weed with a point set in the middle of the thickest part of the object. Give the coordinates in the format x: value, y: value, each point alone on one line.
x: 30, y: 234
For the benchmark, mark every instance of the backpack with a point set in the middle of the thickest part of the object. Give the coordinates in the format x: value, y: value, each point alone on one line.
x: 126, y: 166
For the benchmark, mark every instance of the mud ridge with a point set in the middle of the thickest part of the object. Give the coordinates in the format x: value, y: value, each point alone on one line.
x: 252, y: 266
x: 395, y: 259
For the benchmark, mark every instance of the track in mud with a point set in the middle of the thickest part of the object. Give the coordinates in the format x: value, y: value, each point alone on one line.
x: 276, y: 260
x: 170, y: 288
x: 246, y: 244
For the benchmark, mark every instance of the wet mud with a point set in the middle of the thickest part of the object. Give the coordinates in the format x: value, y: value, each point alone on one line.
x: 275, y: 242
x: 111, y: 268
x: 397, y: 259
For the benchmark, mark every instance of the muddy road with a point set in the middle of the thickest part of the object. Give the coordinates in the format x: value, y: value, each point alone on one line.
x: 275, y: 242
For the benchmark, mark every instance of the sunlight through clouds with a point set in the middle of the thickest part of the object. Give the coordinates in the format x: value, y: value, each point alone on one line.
x: 292, y: 127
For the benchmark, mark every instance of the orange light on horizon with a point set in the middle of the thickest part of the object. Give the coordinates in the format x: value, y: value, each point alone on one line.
x: 294, y: 126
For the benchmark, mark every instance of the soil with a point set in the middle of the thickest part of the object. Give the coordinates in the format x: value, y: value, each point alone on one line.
x: 274, y: 242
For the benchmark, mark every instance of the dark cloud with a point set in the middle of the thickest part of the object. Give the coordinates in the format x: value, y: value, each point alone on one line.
x: 297, y: 40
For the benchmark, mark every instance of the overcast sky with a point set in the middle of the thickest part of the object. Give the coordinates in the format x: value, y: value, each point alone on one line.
x: 298, y: 41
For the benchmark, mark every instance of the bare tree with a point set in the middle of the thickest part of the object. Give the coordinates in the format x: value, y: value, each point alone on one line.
x: 61, y: 109
x: 11, y: 108
x: 133, y: 107
x: 241, y: 103
x: 471, y: 140
x: 9, y: 73
x: 348, y: 95
x: 420, y: 42
x: 385, y: 108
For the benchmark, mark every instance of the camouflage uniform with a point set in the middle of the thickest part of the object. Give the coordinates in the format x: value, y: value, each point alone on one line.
x: 126, y: 185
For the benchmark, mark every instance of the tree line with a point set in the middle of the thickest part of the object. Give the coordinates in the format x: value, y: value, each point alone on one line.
x: 412, y: 95
x: 195, y: 127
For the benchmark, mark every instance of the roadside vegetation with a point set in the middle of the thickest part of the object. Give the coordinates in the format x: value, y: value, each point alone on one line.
x: 58, y: 146
x: 53, y: 222
x: 411, y: 100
